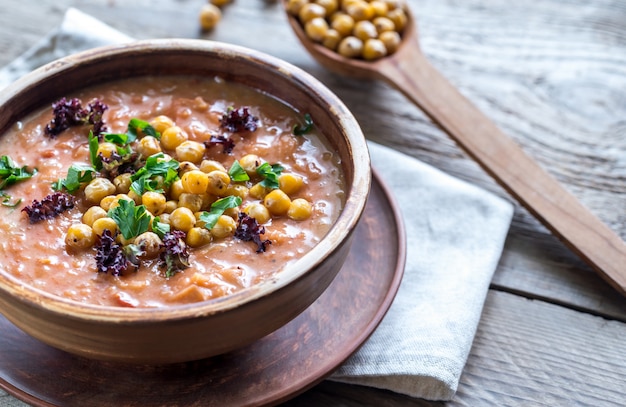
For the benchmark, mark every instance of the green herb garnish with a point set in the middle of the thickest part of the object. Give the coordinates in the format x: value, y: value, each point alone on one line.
x: 237, y: 173
x: 299, y: 130
x: 77, y: 175
x: 144, y: 127
x: 217, y: 209
x: 270, y: 174
x: 132, y: 220
x: 145, y: 179
x: 10, y: 173
x: 159, y: 227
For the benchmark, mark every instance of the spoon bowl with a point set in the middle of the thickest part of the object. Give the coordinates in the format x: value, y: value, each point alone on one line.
x: 409, y: 71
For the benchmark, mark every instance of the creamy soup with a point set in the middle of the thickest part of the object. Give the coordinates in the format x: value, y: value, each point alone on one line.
x: 215, y: 188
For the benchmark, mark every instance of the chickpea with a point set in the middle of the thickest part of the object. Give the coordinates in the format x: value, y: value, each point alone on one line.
x: 164, y: 218
x: 258, y: 191
x: 154, y: 202
x: 391, y: 39
x: 173, y: 137
x: 364, y: 30
x: 383, y: 24
x: 107, y: 201
x: 148, y: 146
x: 211, y: 165
x: 186, y: 166
x: 182, y: 219
x: 316, y: 29
x: 237, y: 190
x: 374, y: 49
x: 190, y: 151
x: 220, y: 3
x: 224, y: 227
x: 332, y: 39
x: 195, y: 181
x: 290, y: 183
x: 310, y: 11
x: 116, y: 201
x: 277, y: 202
x: 193, y: 202
x: 122, y: 183
x: 343, y: 24
x: 176, y: 189
x: 329, y: 5
x: 210, y: 15
x: 294, y: 6
x: 258, y: 211
x: 198, y: 236
x: 350, y: 47
x: 135, y: 197
x: 170, y: 206
x: 162, y: 123
x: 80, y: 237
x: 106, y: 149
x: 299, y: 209
x: 399, y: 18
x: 380, y: 8
x: 360, y: 10
x: 102, y: 224
x: 249, y: 163
x: 92, y: 214
x: 150, y: 243
x: 98, y: 188
x: 218, y: 182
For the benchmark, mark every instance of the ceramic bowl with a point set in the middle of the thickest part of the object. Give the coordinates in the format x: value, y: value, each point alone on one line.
x: 212, y: 327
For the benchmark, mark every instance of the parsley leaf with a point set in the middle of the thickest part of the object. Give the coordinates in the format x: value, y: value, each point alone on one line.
x: 270, y: 174
x: 143, y: 126
x: 217, y: 209
x: 77, y: 174
x: 10, y: 173
x: 96, y: 160
x: 159, y: 227
x: 145, y: 179
x: 237, y: 173
x: 299, y: 130
x: 132, y: 220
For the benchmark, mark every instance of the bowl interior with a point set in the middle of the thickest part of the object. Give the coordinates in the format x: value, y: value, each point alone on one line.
x: 205, y: 58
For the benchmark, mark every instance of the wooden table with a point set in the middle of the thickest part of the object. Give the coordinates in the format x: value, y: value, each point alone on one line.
x: 552, y: 74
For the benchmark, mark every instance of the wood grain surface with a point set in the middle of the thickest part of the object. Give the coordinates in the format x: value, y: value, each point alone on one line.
x: 550, y: 73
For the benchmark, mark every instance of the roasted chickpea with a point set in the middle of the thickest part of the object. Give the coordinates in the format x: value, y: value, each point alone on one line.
x: 154, y: 202
x: 374, y: 49
x: 316, y: 29
x: 258, y: 191
x: 150, y: 243
x: 299, y: 209
x: 218, y: 182
x: 148, y: 146
x: 98, y: 188
x: 258, y: 211
x: 224, y: 227
x: 343, y: 24
x: 195, y: 181
x: 220, y: 3
x: 350, y: 47
x: 399, y: 18
x: 106, y: 202
x: 364, y: 30
x: 92, y: 214
x: 102, y: 224
x: 383, y: 24
x: 360, y: 10
x: 310, y: 11
x: 391, y: 39
x: 106, y: 149
x: 332, y: 39
x: 176, y: 189
x: 190, y: 151
x: 186, y: 166
x: 198, y: 236
x: 116, y: 201
x: 211, y: 165
x: 380, y: 8
x: 193, y: 202
x: 237, y: 190
x: 122, y: 183
x: 182, y: 219
x: 250, y: 162
x: 330, y: 5
x: 210, y: 15
x: 173, y: 137
x: 290, y: 183
x: 170, y: 206
x: 162, y: 123
x: 294, y: 6
x: 277, y: 202
x: 80, y: 236
x: 135, y: 197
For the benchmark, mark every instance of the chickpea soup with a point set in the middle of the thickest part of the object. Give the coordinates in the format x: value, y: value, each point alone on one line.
x: 155, y: 191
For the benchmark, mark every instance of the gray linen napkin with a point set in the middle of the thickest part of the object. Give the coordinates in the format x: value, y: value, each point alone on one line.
x: 454, y: 245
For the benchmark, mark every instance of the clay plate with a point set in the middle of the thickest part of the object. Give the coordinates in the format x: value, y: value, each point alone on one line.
x: 272, y: 370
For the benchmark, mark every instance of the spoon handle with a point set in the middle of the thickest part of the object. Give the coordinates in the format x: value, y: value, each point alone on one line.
x: 499, y: 155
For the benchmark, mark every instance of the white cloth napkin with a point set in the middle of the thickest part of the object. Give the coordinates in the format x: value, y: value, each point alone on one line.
x: 455, y: 234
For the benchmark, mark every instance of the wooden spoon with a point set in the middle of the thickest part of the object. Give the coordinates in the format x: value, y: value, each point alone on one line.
x: 409, y: 71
